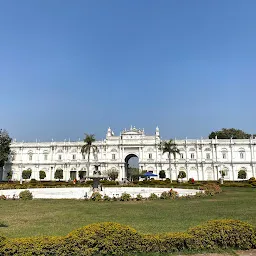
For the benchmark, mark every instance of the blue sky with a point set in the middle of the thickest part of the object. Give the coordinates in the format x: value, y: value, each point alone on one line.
x: 70, y: 67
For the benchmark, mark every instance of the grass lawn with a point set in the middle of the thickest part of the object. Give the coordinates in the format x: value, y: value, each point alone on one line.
x: 59, y: 217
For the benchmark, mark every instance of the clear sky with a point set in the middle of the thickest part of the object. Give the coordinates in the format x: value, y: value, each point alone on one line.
x: 74, y: 67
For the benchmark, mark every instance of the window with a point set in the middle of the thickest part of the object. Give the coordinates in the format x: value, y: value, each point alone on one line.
x: 113, y: 156
x: 181, y: 156
x: 45, y: 157
x: 192, y: 156
x: 241, y: 155
x: 224, y: 155
x: 74, y: 157
x: 149, y: 156
x: 30, y: 157
x: 59, y: 157
x: 83, y: 156
x: 208, y: 156
x: 13, y: 157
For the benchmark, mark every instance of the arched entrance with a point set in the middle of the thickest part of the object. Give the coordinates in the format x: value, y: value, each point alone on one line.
x: 132, y: 167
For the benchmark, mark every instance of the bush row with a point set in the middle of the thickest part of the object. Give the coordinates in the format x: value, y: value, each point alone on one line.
x: 115, y: 239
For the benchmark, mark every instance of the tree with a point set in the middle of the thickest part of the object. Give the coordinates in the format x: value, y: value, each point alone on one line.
x: 171, y: 148
x: 26, y: 174
x: 9, y: 175
x: 182, y: 175
x: 5, y: 150
x: 88, y: 147
x: 58, y: 174
x: 229, y: 133
x: 242, y: 174
x: 162, y: 174
x: 113, y: 175
x: 81, y: 174
x: 133, y: 174
x: 42, y: 174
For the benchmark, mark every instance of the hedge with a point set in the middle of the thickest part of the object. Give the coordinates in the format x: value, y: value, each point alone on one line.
x: 109, y: 238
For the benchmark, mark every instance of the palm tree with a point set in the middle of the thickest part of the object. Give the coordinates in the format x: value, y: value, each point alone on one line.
x: 88, y: 147
x: 171, y: 148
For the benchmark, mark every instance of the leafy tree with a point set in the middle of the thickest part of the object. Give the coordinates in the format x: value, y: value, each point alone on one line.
x: 88, y: 147
x: 42, y: 174
x: 222, y: 173
x: 26, y: 174
x: 242, y: 174
x: 113, y: 175
x: 182, y: 175
x: 133, y: 174
x: 171, y: 148
x: 5, y: 150
x: 229, y: 133
x: 58, y: 174
x: 162, y: 174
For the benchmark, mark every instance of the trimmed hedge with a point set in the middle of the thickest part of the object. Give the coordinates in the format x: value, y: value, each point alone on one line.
x: 109, y: 238
x: 225, y: 234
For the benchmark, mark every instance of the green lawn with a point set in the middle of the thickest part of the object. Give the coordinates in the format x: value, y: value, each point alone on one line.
x: 59, y: 217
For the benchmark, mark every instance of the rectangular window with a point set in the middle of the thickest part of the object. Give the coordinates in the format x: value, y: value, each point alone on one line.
x: 74, y: 157
x: 83, y: 156
x: 113, y: 156
x: 224, y: 155
x: 59, y: 157
x: 149, y: 156
x: 208, y: 156
x: 241, y: 155
x: 45, y: 157
x: 30, y: 157
x: 192, y: 156
x: 181, y: 156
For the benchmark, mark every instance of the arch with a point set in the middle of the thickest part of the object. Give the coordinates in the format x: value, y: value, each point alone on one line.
x: 131, y: 163
x: 192, y: 149
x: 224, y: 150
x: 207, y: 149
x: 209, y: 173
x: 241, y: 150
x: 113, y: 150
x: 193, y: 173
x: 150, y: 149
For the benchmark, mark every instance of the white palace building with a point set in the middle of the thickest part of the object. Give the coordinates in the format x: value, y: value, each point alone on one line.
x: 201, y: 159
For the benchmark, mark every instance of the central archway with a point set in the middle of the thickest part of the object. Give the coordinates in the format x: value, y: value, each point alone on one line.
x: 131, y: 166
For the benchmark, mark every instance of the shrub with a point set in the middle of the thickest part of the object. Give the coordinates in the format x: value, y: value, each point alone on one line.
x: 26, y: 174
x: 139, y: 197
x: 96, y: 196
x: 153, y: 196
x: 165, y: 195
x: 211, y: 189
x: 191, y: 181
x: 242, y: 174
x: 252, y: 180
x: 168, y: 242
x: 162, y: 174
x: 106, y: 239
x: 42, y: 175
x: 26, y: 195
x: 58, y: 174
x: 182, y: 175
x: 173, y: 194
x: 113, y: 175
x: 224, y: 234
x: 106, y: 198
x: 33, y: 181
x: 125, y: 197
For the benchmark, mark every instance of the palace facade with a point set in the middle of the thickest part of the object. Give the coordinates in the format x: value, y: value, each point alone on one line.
x: 201, y: 159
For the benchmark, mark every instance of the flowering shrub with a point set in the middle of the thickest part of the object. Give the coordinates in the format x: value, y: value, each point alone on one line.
x: 26, y: 195
x: 125, y: 197
x: 96, y: 196
x: 211, y: 189
x: 153, y: 196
